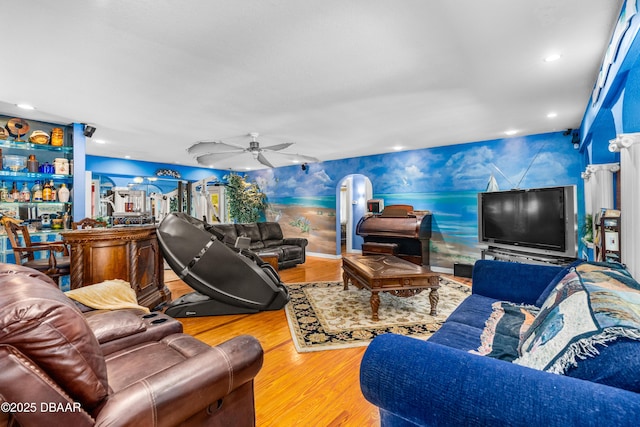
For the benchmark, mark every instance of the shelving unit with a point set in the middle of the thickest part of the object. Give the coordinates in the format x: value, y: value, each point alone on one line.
x: 44, y: 153
x: 608, y: 234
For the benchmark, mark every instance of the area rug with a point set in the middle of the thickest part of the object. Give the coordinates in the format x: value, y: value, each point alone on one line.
x: 323, y: 316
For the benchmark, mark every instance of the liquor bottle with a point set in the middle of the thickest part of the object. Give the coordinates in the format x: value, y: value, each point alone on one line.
x: 25, y: 193
x: 54, y: 195
x: 36, y: 192
x: 14, y: 194
x: 46, y: 192
x: 63, y: 193
x: 4, y: 191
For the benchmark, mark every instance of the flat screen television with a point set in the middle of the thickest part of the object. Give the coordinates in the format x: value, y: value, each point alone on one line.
x: 539, y: 220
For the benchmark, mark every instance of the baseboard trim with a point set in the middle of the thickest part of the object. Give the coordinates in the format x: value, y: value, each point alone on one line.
x: 441, y: 269
x: 321, y: 255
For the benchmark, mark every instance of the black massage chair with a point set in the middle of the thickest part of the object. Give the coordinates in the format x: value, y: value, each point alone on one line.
x: 227, y: 279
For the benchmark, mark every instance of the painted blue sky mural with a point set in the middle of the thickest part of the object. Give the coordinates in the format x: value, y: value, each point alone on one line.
x: 463, y: 167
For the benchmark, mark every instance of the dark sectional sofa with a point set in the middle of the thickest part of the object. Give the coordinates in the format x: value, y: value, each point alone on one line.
x: 266, y: 237
x: 532, y: 345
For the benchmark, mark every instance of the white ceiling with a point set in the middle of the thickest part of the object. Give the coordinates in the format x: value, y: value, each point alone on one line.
x: 340, y: 78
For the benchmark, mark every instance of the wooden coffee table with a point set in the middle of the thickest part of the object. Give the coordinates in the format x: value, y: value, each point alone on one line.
x: 387, y: 273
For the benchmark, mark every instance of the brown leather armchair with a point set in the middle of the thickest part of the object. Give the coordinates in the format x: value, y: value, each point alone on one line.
x: 55, y: 372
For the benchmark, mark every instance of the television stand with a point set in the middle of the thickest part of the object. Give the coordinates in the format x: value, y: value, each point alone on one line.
x: 502, y: 254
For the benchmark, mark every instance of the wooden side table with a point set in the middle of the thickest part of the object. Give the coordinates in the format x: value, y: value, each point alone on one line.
x: 271, y: 258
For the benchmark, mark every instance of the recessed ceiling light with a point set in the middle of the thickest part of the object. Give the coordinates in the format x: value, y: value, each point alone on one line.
x: 99, y: 141
x: 127, y: 157
x: 26, y: 106
x: 510, y: 132
x: 553, y: 57
x: 552, y: 115
x: 295, y: 161
x: 397, y: 147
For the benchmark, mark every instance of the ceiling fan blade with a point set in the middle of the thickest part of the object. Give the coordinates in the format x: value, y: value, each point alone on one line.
x: 211, y: 158
x: 278, y: 147
x: 299, y: 157
x: 263, y: 160
x: 205, y: 147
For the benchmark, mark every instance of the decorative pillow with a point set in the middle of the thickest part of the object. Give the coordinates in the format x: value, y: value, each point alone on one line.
x: 595, y: 306
x: 504, y: 328
x: 108, y: 295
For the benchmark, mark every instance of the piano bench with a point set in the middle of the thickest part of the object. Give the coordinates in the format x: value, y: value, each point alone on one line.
x: 373, y: 248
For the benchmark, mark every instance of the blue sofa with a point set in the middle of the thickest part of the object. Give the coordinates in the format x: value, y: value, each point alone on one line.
x: 441, y: 382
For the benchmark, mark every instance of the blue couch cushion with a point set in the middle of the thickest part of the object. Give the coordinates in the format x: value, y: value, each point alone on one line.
x: 473, y: 311
x: 457, y: 335
x: 594, y: 311
x: 617, y: 365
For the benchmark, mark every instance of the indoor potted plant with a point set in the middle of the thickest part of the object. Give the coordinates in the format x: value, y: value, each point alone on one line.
x: 246, y: 202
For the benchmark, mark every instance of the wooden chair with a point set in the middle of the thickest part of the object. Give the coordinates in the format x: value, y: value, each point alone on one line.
x: 87, y: 223
x: 53, y: 266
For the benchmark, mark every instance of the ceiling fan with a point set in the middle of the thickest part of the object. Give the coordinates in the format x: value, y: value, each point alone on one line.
x: 209, y: 152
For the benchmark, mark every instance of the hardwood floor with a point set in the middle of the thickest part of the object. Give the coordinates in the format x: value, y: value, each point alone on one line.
x: 292, y: 389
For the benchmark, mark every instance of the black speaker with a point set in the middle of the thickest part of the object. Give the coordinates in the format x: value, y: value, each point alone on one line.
x: 89, y: 130
x: 462, y: 270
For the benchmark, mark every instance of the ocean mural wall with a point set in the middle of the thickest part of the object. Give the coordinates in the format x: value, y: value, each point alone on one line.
x: 444, y: 180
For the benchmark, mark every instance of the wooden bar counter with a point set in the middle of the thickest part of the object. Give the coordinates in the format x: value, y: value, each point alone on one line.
x: 128, y: 253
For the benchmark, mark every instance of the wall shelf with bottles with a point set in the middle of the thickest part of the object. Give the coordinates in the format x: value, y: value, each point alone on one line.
x: 31, y: 176
x: 35, y: 154
x: 4, y: 205
x: 12, y: 144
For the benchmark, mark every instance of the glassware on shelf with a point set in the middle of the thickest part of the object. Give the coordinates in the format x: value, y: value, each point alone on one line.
x: 32, y: 164
x: 63, y: 193
x: 54, y: 191
x: 46, y: 192
x: 36, y: 192
x: 61, y: 166
x: 25, y: 193
x: 4, y: 191
x: 57, y: 137
x: 14, y: 163
x: 14, y: 194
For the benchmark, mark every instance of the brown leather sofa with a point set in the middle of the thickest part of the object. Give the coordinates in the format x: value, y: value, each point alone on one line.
x: 56, y: 372
x: 266, y: 237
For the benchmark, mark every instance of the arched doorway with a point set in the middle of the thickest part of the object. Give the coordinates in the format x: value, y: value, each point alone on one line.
x: 352, y: 193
